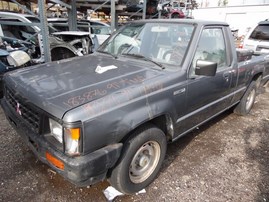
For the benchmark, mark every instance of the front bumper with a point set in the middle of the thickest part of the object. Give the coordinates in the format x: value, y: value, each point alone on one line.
x: 81, y: 170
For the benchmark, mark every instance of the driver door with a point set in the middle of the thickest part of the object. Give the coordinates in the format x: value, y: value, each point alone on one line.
x: 208, y: 95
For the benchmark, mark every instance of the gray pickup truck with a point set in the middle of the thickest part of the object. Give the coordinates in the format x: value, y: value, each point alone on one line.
x: 110, y: 115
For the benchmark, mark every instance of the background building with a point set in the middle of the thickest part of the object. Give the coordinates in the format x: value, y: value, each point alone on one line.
x: 241, y: 17
x: 215, y: 3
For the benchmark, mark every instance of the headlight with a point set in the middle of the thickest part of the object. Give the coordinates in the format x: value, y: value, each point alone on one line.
x: 71, y: 139
x: 18, y: 58
x: 56, y: 130
x: 69, y: 136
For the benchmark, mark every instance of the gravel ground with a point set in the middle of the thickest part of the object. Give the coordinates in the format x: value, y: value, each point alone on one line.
x: 225, y: 160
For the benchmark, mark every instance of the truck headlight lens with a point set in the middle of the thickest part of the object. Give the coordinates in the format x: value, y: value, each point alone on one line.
x: 18, y: 58
x: 56, y: 130
x: 71, y: 139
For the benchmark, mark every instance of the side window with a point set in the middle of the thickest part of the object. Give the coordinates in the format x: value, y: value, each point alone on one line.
x: 211, y: 47
x: 98, y: 28
x: 21, y: 32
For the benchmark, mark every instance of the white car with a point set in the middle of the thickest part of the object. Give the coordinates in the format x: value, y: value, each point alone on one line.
x: 257, y: 39
x: 99, y: 29
x: 62, y: 45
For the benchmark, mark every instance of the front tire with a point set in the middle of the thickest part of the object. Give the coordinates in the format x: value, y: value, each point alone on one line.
x: 142, y: 156
x: 247, y: 101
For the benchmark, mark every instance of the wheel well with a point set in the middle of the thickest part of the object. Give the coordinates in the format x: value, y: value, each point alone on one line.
x: 257, y: 78
x: 163, y: 122
x: 59, y: 53
x: 175, y: 15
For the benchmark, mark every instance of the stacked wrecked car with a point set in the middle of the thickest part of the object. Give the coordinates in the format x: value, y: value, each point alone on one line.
x: 22, y: 45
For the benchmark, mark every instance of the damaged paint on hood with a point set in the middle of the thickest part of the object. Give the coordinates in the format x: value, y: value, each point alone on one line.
x: 61, y: 86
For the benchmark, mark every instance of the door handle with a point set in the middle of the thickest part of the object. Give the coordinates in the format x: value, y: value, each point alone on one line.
x: 226, y: 76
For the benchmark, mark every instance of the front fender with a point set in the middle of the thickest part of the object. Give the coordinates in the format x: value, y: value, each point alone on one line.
x: 108, y: 120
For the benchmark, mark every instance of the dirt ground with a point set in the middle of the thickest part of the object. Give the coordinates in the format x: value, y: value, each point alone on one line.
x: 225, y: 160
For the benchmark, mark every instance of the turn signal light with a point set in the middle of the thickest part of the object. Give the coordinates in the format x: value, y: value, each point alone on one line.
x: 54, y: 161
x: 75, y: 133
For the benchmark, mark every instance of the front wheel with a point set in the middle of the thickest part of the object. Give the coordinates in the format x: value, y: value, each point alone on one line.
x: 141, y: 160
x: 247, y: 101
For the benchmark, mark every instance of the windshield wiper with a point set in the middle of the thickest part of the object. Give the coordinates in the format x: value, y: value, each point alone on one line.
x: 108, y: 53
x: 144, y: 58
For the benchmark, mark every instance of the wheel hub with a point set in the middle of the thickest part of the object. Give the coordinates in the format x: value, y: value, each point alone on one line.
x: 144, y: 160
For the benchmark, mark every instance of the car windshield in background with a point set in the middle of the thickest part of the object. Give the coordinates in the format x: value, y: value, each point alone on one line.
x: 36, y: 20
x: 98, y: 28
x: 261, y: 32
x: 63, y: 26
x: 164, y: 43
x: 33, y: 19
x: 83, y: 25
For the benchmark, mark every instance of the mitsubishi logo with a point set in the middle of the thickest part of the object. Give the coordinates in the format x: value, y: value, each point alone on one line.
x: 18, y: 110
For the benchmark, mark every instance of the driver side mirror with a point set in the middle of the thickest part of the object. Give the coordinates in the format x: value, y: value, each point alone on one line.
x: 206, y: 68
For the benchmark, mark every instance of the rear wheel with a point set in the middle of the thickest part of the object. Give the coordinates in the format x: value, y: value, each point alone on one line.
x: 141, y: 160
x: 247, y: 101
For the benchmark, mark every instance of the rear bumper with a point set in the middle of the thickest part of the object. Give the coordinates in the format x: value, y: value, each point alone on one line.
x: 81, y: 170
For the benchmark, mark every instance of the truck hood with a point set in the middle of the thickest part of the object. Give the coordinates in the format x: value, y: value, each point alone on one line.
x: 58, y: 87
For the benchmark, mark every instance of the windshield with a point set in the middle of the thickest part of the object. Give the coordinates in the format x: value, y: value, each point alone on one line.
x: 164, y: 43
x: 36, y: 20
x: 33, y: 19
x: 98, y: 28
x: 63, y: 26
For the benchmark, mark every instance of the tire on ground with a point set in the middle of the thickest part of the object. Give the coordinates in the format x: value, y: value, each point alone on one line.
x: 247, y: 101
x: 141, y: 160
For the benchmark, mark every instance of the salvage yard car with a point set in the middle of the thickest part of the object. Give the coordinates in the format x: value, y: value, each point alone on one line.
x: 11, y: 59
x: 257, y: 39
x: 110, y: 115
x: 99, y: 29
x: 62, y: 45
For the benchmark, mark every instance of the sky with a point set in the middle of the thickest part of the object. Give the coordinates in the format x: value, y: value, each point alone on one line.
x: 214, y: 3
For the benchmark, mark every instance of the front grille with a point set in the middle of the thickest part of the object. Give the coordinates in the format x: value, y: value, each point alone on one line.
x: 28, y: 113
